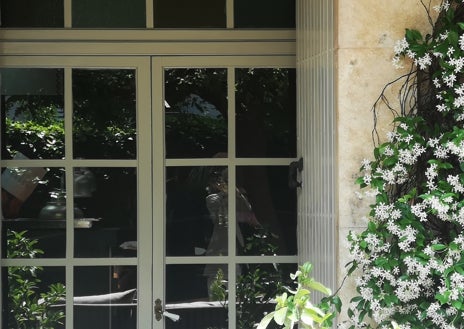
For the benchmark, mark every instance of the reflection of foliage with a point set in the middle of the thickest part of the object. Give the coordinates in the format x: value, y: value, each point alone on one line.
x: 104, y: 113
x: 34, y: 126
x: 27, y: 308
x: 209, y: 84
x: 194, y: 135
x: 218, y: 288
x: 196, y: 117
x: 41, y: 109
x: 256, y: 285
x: 261, y: 242
x: 265, y: 101
x: 44, y: 141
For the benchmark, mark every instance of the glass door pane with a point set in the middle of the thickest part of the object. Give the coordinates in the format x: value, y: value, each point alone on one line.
x: 105, y: 297
x: 32, y: 105
x: 195, y: 112
x: 266, y: 112
x: 104, y: 113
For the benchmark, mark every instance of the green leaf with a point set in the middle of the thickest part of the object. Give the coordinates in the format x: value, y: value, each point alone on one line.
x: 390, y: 161
x: 281, y: 300
x: 307, y: 268
x: 438, y: 247
x: 265, y: 321
x: 391, y: 299
x: 381, y: 261
x: 337, y: 302
x: 308, y: 317
x: 443, y: 298
x: 280, y: 315
x: 457, y: 304
x: 301, y: 293
x: 319, y: 287
x: 453, y: 37
x: 413, y: 35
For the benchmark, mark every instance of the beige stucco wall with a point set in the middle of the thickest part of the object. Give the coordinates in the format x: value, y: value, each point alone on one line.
x: 366, y: 32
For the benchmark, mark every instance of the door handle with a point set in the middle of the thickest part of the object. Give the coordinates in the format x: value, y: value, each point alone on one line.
x: 294, y: 168
x: 158, y: 309
x: 159, y: 312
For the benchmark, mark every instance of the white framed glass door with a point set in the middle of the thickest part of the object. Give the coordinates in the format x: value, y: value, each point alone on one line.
x: 228, y: 134
x: 76, y: 205
x: 127, y: 180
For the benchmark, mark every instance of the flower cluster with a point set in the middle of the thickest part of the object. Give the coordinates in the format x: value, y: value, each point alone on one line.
x: 411, y: 255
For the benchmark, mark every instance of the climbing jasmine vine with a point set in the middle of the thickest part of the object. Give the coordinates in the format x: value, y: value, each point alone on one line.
x: 409, y: 261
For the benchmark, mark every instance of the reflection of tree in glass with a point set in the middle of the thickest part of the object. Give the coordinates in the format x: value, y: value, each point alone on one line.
x: 33, y: 126
x: 104, y: 118
x: 257, y: 284
x: 27, y: 307
x: 104, y: 114
x: 256, y: 287
x: 266, y: 112
x: 196, y: 112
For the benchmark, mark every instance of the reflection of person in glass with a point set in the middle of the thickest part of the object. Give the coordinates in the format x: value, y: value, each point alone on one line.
x: 217, y: 204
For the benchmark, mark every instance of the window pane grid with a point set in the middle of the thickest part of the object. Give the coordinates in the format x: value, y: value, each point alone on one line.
x: 233, y: 261
x: 66, y: 263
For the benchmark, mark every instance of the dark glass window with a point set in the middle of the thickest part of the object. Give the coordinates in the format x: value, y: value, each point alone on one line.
x: 105, y: 297
x: 196, y: 211
x: 266, y: 112
x: 266, y: 211
x: 108, y: 13
x: 104, y: 119
x: 107, y: 199
x: 32, y: 106
x: 196, y: 113
x: 189, y: 13
x: 32, y: 13
x: 264, y: 13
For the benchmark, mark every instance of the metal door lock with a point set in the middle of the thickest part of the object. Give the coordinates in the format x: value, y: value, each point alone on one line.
x: 158, y: 309
x: 159, y: 312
